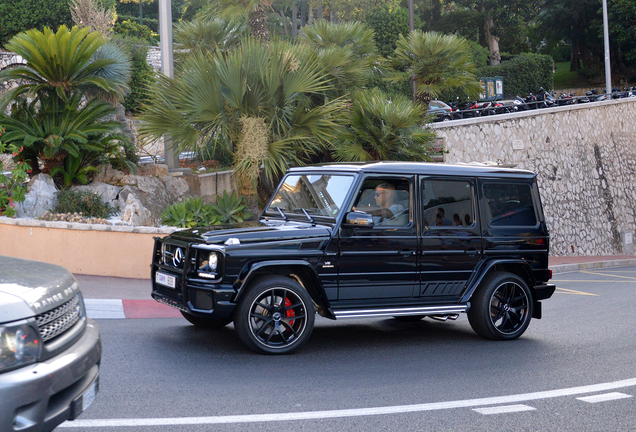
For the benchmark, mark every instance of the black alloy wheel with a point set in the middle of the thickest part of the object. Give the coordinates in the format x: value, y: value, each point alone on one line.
x: 206, y: 323
x: 276, y: 315
x: 501, y: 307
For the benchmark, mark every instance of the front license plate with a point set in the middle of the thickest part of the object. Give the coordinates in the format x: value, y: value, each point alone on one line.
x: 165, y: 279
x: 89, y: 396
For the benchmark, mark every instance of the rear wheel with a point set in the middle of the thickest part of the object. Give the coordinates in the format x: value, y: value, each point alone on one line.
x: 276, y: 315
x: 207, y: 323
x: 501, y: 307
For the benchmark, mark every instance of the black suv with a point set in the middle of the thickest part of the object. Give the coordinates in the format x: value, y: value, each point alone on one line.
x: 386, y: 239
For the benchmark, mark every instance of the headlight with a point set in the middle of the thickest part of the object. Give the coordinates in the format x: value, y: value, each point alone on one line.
x: 19, y: 345
x: 213, y: 261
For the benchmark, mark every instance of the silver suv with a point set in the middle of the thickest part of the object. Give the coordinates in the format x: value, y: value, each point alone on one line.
x: 49, y: 350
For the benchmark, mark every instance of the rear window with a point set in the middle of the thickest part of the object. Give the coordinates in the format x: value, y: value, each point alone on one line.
x: 509, y: 205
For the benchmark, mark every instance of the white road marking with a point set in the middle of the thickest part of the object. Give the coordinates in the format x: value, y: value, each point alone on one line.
x: 504, y: 409
x: 604, y: 397
x: 313, y: 415
x: 104, y: 308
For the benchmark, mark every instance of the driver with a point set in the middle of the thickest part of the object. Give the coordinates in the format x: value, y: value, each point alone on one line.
x: 385, y: 199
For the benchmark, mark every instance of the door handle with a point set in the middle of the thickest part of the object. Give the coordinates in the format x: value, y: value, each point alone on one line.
x: 473, y: 252
x: 407, y: 253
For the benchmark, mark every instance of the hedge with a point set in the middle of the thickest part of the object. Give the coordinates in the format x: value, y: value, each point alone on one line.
x: 523, y: 74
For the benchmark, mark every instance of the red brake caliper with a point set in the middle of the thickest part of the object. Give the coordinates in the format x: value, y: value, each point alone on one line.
x: 290, y: 312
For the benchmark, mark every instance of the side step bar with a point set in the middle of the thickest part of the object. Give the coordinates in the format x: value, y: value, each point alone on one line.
x: 386, y: 312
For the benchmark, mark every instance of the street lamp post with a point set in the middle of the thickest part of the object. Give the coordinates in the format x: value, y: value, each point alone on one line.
x: 608, y: 68
x: 411, y: 29
x: 167, y: 68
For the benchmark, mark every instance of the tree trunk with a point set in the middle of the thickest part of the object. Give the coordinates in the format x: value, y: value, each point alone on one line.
x: 258, y: 23
x: 423, y: 98
x: 575, y: 59
x: 294, y: 22
x: 493, y: 42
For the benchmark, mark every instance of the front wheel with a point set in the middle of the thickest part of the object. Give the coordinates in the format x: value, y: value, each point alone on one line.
x: 276, y: 315
x: 501, y: 307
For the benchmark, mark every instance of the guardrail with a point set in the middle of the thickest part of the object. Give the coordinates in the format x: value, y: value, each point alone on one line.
x: 512, y: 106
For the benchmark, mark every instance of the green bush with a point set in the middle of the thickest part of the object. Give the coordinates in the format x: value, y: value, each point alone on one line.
x: 132, y: 29
x: 388, y: 25
x: 17, y: 16
x: 142, y: 75
x: 85, y: 203
x: 523, y: 74
x: 193, y: 212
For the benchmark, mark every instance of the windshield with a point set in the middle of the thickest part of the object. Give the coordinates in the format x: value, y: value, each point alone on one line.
x: 317, y: 194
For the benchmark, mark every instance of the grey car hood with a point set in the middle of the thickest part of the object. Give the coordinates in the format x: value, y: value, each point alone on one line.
x: 29, y: 288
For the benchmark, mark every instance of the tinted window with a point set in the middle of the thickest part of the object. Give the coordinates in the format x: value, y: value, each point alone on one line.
x: 509, y: 205
x: 447, y: 203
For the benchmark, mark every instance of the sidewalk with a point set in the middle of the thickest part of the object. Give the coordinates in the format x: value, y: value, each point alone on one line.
x: 119, y: 298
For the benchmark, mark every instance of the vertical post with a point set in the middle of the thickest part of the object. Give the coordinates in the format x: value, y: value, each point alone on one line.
x: 171, y: 154
x: 141, y: 13
x: 294, y: 21
x: 608, y: 67
x: 411, y: 29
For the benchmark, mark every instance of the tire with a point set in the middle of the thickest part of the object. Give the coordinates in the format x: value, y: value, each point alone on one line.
x: 205, y: 323
x: 501, y: 307
x: 275, y: 316
x: 409, y: 318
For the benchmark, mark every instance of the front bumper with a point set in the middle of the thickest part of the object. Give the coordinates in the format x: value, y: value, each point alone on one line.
x: 203, y: 301
x: 40, y: 396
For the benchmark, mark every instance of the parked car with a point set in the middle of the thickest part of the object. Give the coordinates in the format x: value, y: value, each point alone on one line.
x: 387, y: 239
x: 49, y: 350
x: 441, y: 110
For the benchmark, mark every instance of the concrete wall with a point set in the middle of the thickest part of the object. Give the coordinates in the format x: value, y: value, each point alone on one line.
x: 100, y: 250
x: 585, y: 158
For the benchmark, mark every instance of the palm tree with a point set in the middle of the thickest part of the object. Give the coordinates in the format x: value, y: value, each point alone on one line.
x: 255, y: 10
x: 65, y: 63
x: 437, y: 62
x: 346, y: 51
x: 64, y: 93
x: 256, y: 100
x: 209, y: 35
x: 383, y: 129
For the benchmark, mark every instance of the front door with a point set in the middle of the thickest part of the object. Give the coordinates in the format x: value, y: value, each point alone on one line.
x: 450, y: 242
x: 380, y: 262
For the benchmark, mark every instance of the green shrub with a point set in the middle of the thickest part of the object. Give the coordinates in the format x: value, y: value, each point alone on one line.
x: 87, y: 204
x: 523, y: 74
x: 193, y: 212
x: 132, y: 29
x: 388, y: 25
x: 142, y: 75
x: 17, y: 16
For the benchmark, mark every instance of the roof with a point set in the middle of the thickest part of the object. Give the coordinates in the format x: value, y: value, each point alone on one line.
x: 426, y: 168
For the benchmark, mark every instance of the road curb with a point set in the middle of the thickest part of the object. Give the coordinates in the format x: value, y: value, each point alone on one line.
x: 564, y: 268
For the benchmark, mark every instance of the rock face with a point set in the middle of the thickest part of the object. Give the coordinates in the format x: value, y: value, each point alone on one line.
x: 41, y: 197
x: 108, y: 193
x: 140, y: 198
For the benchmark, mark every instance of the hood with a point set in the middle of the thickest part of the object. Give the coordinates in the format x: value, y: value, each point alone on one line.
x: 35, y: 285
x: 255, y: 231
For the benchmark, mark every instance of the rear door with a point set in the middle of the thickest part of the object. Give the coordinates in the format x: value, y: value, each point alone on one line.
x: 450, y: 240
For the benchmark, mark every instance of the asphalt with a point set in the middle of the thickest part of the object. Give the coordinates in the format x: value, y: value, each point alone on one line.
x: 119, y: 298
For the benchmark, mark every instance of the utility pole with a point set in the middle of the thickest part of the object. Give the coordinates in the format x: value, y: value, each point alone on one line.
x: 171, y: 154
x: 411, y: 29
x: 608, y: 67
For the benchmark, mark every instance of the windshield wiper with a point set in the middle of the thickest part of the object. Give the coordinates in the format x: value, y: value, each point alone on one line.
x: 282, y: 213
x: 309, y: 217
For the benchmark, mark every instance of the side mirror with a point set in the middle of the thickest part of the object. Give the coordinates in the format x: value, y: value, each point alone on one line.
x: 358, y: 219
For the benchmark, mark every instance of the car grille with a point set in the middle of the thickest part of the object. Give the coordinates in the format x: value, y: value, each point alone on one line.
x: 202, y: 299
x: 55, y: 322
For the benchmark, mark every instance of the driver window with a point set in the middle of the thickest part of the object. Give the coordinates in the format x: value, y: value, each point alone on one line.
x: 388, y: 200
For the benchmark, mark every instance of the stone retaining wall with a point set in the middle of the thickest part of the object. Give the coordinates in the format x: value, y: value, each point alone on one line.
x: 585, y: 157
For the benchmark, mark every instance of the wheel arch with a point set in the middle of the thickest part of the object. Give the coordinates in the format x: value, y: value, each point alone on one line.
x: 517, y: 267
x: 299, y: 270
